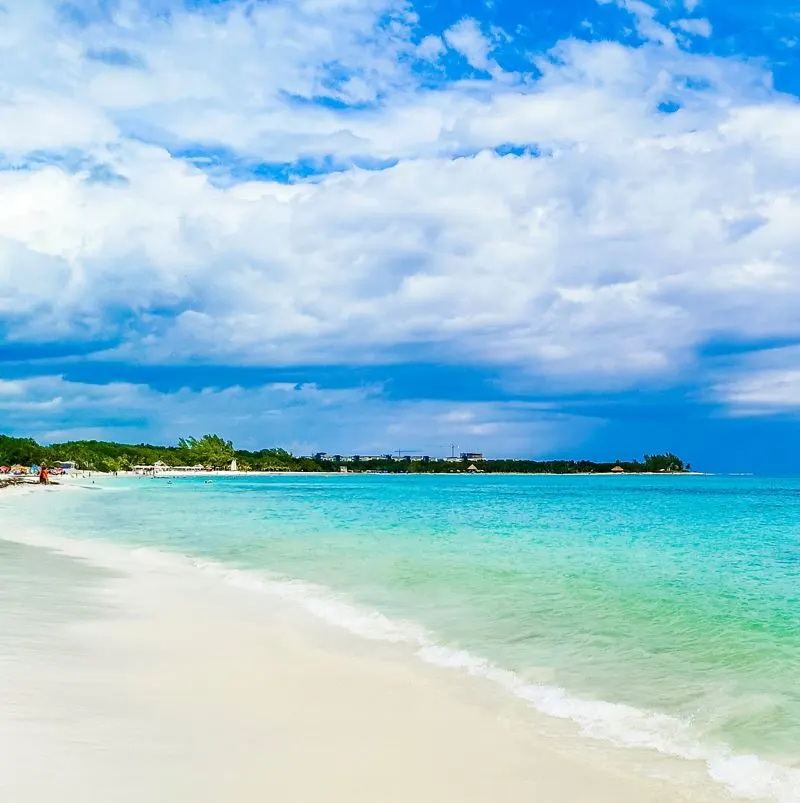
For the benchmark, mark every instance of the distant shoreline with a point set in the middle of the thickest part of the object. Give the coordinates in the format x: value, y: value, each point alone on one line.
x: 212, y: 452
x: 172, y: 474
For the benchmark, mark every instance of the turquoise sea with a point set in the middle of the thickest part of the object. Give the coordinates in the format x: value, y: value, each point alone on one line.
x: 659, y: 612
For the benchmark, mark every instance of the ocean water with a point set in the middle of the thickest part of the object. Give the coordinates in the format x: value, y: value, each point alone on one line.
x: 659, y: 612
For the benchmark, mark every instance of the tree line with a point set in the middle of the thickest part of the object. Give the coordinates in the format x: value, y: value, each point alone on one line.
x: 667, y: 462
x: 214, y: 452
x: 209, y: 451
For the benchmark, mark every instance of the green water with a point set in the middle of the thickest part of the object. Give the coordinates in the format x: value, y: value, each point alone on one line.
x: 658, y: 611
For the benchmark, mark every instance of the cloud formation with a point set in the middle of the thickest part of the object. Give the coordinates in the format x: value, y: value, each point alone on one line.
x: 766, y: 383
x: 333, y: 183
x: 297, y: 417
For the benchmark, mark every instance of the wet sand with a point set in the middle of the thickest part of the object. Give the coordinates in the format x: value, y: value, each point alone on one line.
x: 157, y: 683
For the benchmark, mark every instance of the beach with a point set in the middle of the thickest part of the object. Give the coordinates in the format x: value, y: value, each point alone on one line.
x: 171, y: 686
x: 135, y: 667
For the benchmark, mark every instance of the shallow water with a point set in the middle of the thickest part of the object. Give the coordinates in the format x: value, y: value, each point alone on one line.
x: 656, y: 611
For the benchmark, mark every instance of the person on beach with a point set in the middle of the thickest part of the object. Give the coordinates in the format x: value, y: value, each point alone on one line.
x: 43, y: 477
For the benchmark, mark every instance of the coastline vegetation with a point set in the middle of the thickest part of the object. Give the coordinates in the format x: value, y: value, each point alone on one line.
x: 213, y: 452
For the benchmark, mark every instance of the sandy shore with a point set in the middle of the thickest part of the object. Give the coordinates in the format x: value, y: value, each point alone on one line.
x: 170, y: 686
x: 173, y: 473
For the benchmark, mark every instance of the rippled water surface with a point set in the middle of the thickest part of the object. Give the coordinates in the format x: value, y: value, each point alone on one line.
x: 663, y: 609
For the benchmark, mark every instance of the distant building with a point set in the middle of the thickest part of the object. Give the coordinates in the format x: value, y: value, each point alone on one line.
x: 366, y: 458
x: 156, y: 467
x: 618, y: 470
x: 471, y: 456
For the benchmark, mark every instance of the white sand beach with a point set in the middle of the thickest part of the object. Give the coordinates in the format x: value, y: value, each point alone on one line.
x: 150, y: 681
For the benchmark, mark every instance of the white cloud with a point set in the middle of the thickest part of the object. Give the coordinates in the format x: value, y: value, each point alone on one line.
x: 466, y: 38
x: 695, y: 27
x: 606, y: 262
x: 303, y: 418
x: 763, y: 393
x: 647, y: 26
x: 764, y: 383
x: 430, y: 48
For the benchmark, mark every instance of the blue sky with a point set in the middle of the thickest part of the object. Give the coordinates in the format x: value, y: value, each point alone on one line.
x: 531, y: 229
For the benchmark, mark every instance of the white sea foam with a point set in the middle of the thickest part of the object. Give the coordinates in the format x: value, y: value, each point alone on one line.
x: 745, y: 776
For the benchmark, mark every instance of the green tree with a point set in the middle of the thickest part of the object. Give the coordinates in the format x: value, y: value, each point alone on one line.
x: 663, y: 462
x: 210, y: 450
x: 24, y: 451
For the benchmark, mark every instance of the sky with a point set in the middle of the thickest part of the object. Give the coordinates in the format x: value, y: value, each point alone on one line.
x: 544, y: 229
